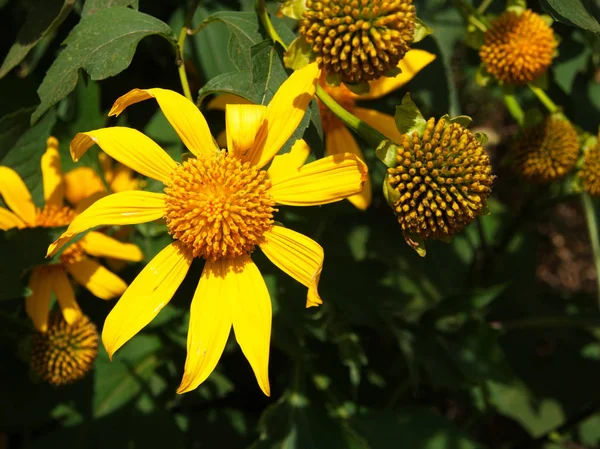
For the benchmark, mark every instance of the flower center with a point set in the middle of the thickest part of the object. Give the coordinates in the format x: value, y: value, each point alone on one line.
x: 360, y: 40
x: 341, y: 95
x: 219, y: 207
x: 54, y: 217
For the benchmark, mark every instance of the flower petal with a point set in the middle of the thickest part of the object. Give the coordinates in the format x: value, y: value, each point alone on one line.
x: 339, y: 140
x: 284, y: 113
x: 52, y: 175
x: 102, y: 282
x: 323, y: 181
x: 37, y: 304
x: 285, y: 165
x: 101, y: 245
x: 298, y: 256
x: 251, y: 314
x: 8, y: 220
x: 130, y: 147
x: 122, y: 208
x: 384, y: 123
x: 81, y: 183
x: 210, y: 325
x: 65, y: 296
x: 243, y: 123
x: 412, y: 63
x: 149, y: 292
x: 220, y: 101
x: 16, y: 195
x: 182, y: 114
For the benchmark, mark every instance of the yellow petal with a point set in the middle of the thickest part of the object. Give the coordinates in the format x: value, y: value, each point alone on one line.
x: 81, y: 183
x: 384, y: 123
x: 124, y: 179
x: 298, y: 256
x: 65, y: 296
x: 323, y: 181
x: 284, y: 113
x: 99, y: 280
x: 340, y: 140
x: 219, y: 102
x: 285, y: 165
x: 243, y: 123
x: 210, y: 324
x: 101, y: 245
x: 149, y: 292
x: 412, y: 63
x: 119, y: 209
x: 16, y: 195
x: 250, y: 304
x: 182, y: 114
x: 37, y: 304
x: 8, y: 220
x: 52, y: 175
x: 130, y: 147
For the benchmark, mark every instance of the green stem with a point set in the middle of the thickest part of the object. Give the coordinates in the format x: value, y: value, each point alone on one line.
x: 185, y: 85
x: 263, y: 16
x: 483, y: 6
x: 514, y: 108
x: 544, y: 98
x: 592, y: 225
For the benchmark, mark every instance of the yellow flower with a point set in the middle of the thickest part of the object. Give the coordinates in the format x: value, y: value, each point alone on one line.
x: 338, y: 139
x: 218, y: 206
x: 46, y: 279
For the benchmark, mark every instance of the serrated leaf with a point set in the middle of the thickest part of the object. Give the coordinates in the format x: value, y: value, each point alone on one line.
x: 268, y: 72
x: 579, y: 13
x: 422, y: 30
x: 43, y: 18
x: 102, y: 44
x: 93, y: 6
x: 408, y: 117
x: 299, y: 54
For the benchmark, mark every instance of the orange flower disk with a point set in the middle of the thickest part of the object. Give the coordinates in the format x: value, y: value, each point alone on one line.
x: 590, y: 171
x: 518, y: 48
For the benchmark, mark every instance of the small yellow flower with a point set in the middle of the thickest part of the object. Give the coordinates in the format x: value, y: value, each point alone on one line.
x: 442, y: 181
x: 546, y: 151
x: 338, y: 138
x: 46, y: 279
x: 518, y: 49
x: 218, y: 206
x: 64, y: 353
x: 590, y: 170
x: 358, y: 40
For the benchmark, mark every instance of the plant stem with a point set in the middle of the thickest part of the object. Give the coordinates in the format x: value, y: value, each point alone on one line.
x: 544, y: 98
x: 545, y: 322
x: 263, y: 16
x: 183, y: 33
x: 592, y: 225
x: 514, y: 108
x: 483, y: 6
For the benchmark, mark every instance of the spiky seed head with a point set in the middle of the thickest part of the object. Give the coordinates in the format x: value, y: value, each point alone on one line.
x: 590, y: 170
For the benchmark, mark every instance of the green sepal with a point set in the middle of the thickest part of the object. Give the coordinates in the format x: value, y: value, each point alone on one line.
x: 549, y: 21
x: 482, y: 76
x: 516, y: 6
x: 532, y: 117
x: 294, y: 9
x: 408, y: 117
x: 333, y: 79
x: 390, y: 194
x: 485, y: 210
x: 299, y: 54
x: 541, y: 81
x: 386, y: 152
x: 446, y: 238
x: 359, y: 88
x: 463, y: 120
x: 416, y: 243
x: 422, y: 30
x: 392, y: 73
x: 474, y: 37
x: 481, y: 137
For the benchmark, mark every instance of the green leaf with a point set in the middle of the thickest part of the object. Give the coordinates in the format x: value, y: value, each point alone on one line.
x: 579, y: 13
x: 294, y: 9
x: 93, y: 6
x: 299, y: 54
x: 43, y: 18
x: 386, y: 152
x: 408, y: 117
x: 237, y: 83
x: 103, y: 44
x: 12, y: 126
x: 268, y: 72
x: 422, y: 30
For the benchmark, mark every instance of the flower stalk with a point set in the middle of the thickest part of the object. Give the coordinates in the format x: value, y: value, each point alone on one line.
x: 544, y: 98
x: 183, y: 33
x: 592, y: 225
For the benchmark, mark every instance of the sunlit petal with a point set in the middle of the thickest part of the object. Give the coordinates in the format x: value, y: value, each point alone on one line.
x: 37, y: 304
x: 182, y: 114
x: 149, y: 292
x: 298, y: 256
x: 119, y: 209
x: 243, y: 123
x: 16, y: 195
x: 99, y: 280
x: 65, y: 296
x: 340, y: 140
x: 323, y: 181
x: 101, y: 245
x: 52, y: 175
x: 285, y: 165
x: 210, y: 324
x: 130, y: 147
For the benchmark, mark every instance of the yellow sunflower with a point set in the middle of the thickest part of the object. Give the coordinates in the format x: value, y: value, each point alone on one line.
x: 338, y: 138
x: 218, y: 206
x: 74, y: 260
